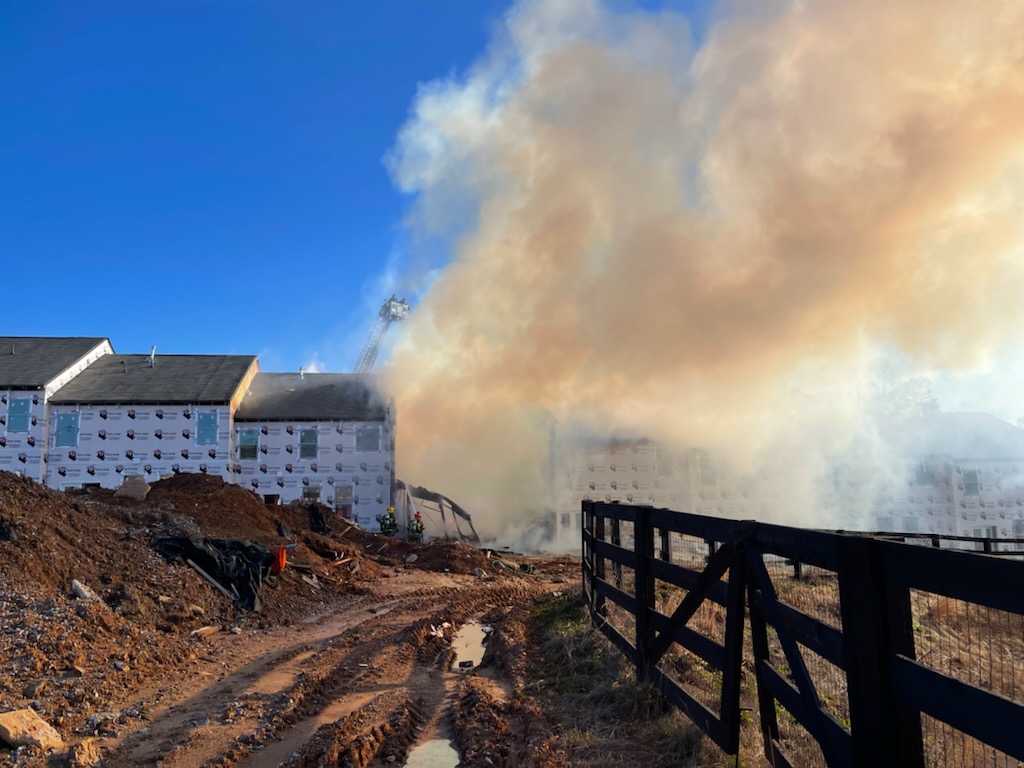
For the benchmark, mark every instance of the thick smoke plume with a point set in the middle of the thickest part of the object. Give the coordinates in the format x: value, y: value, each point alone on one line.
x: 655, y: 236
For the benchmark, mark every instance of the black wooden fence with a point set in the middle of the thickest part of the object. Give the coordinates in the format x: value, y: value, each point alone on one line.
x: 882, y: 653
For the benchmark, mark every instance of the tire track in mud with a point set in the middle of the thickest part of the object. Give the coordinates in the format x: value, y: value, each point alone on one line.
x: 359, y: 685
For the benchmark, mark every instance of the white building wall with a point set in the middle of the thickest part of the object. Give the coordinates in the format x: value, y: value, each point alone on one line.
x: 147, y: 440
x: 22, y: 452
x: 641, y: 473
x: 25, y: 452
x: 339, y: 468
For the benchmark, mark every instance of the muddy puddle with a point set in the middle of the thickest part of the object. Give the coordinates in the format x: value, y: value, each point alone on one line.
x: 468, y: 645
x: 436, y: 753
x: 276, y: 752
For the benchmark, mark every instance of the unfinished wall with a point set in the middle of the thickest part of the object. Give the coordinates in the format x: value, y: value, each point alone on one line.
x: 147, y: 440
x: 341, y: 467
x: 21, y: 451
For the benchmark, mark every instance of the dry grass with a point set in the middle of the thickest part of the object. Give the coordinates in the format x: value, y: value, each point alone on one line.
x: 607, y: 719
x: 970, y: 643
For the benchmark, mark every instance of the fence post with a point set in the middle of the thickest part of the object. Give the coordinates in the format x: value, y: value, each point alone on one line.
x: 735, y: 615
x: 600, y: 602
x: 617, y: 541
x: 759, y: 645
x: 877, y: 623
x: 643, y: 548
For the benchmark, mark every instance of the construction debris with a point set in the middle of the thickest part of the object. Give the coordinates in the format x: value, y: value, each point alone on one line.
x: 211, y: 629
x: 240, y: 564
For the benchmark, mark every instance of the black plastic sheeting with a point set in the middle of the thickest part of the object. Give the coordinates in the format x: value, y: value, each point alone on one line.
x: 317, y: 519
x: 238, y: 566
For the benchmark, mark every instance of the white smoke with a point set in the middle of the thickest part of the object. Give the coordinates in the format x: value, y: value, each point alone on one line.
x: 708, y: 245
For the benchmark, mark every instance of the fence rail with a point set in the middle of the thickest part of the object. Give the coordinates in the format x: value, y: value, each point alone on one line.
x: 863, y: 650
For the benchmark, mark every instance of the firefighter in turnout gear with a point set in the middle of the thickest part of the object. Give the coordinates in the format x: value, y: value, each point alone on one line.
x: 388, y: 524
x: 416, y: 529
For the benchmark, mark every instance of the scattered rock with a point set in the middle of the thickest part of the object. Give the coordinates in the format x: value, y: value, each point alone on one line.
x: 24, y: 728
x: 82, y: 592
x: 97, y: 719
x: 35, y: 690
x: 133, y: 488
x: 478, y: 571
x: 412, y: 558
x: 86, y: 753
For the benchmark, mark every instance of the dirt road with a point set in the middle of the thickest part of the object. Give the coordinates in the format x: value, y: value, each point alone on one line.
x: 362, y: 683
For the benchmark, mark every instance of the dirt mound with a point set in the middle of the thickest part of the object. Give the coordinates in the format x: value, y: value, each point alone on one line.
x: 222, y: 510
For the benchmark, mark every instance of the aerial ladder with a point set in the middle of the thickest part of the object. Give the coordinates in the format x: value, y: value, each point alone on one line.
x: 392, y: 310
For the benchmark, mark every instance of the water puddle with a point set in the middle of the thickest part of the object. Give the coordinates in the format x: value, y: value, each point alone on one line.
x: 277, y: 752
x: 436, y: 753
x: 468, y: 645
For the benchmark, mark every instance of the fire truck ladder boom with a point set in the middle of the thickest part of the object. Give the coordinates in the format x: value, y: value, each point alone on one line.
x: 392, y: 310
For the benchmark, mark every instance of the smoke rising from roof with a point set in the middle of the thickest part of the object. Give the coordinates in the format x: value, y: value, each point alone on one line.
x: 652, y: 236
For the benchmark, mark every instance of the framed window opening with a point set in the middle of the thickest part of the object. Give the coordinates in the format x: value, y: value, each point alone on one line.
x: 19, y: 411
x: 308, y: 444
x: 367, y: 439
x: 207, y: 427
x: 311, y: 492
x: 343, y: 500
x: 67, y: 430
x: 972, y: 482
x: 248, y: 443
x: 925, y: 474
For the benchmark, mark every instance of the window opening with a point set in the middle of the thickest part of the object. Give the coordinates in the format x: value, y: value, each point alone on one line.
x: 67, y: 430
x: 18, y: 411
x: 367, y: 439
x: 972, y: 482
x: 308, y: 443
x: 206, y: 428
x: 248, y: 443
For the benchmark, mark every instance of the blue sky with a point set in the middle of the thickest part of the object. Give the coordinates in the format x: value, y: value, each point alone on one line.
x: 208, y: 176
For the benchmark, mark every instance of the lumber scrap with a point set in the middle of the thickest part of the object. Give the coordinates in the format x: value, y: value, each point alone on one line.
x: 210, y: 579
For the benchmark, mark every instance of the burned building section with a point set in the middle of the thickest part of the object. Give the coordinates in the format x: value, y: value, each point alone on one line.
x: 323, y: 437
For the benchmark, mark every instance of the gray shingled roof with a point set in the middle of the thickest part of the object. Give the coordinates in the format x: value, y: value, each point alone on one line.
x: 173, y: 379
x: 312, y: 397
x: 37, y: 361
